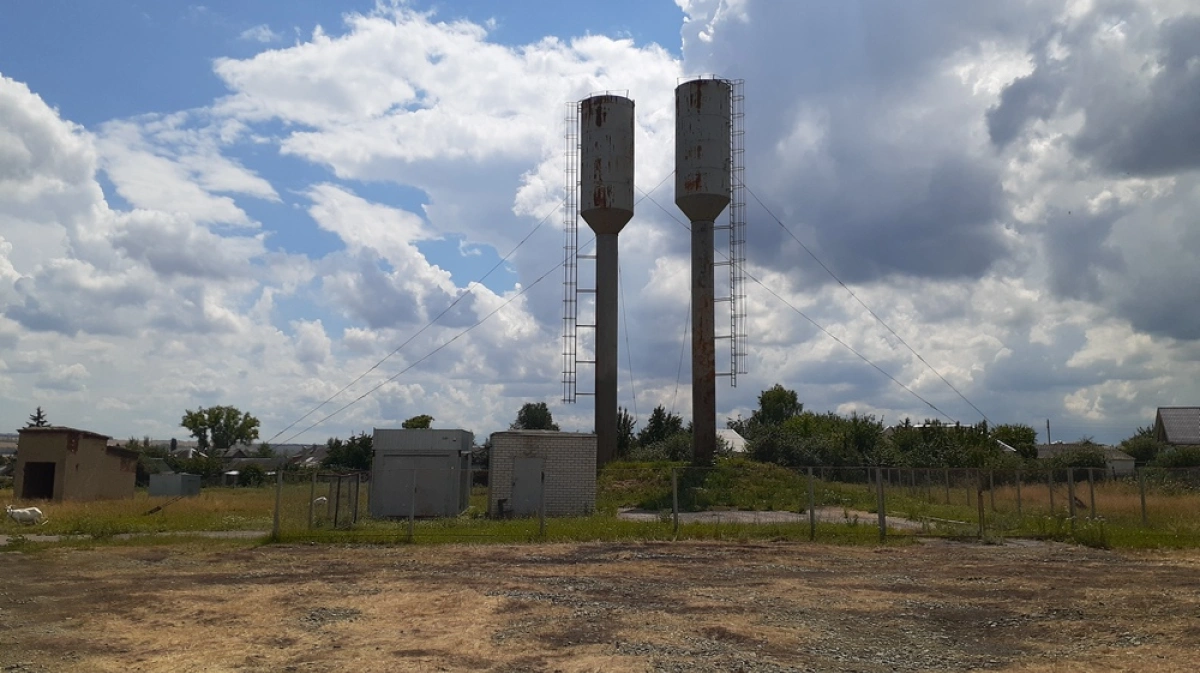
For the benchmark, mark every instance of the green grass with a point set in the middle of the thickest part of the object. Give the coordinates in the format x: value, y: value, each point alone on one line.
x: 1173, y: 511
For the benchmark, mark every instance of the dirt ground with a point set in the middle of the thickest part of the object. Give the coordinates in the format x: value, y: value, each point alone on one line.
x: 599, y: 607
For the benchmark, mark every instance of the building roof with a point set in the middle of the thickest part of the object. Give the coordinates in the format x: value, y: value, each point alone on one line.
x: 1111, y: 453
x: 62, y: 429
x: 735, y: 442
x: 1178, y: 425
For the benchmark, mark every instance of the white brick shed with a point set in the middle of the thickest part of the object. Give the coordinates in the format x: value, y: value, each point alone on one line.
x: 519, y: 458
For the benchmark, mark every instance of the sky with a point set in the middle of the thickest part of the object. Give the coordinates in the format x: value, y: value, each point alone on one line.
x: 336, y: 216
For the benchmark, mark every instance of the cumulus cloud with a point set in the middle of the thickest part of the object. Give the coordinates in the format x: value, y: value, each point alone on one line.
x: 1009, y: 185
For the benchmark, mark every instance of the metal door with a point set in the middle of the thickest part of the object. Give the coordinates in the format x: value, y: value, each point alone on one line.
x: 526, y: 486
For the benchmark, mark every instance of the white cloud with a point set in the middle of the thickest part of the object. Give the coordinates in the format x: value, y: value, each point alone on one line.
x: 260, y: 33
x: 1032, y: 276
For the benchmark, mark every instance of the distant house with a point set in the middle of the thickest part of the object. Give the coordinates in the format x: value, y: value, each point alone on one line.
x: 1117, y: 461
x: 735, y: 442
x: 1177, y: 425
x: 310, y: 457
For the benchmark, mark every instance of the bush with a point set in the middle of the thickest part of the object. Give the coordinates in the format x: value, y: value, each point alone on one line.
x: 1179, y: 456
x: 252, y: 474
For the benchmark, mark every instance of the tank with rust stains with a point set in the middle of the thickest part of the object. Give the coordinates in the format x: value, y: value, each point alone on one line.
x: 703, y: 151
x: 606, y: 162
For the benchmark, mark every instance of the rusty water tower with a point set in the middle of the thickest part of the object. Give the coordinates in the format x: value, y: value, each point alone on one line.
x: 703, y: 188
x: 606, y: 130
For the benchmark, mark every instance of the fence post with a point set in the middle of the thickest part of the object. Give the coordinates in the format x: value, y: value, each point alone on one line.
x: 675, y: 500
x: 1050, y: 488
x: 979, y: 504
x: 278, y: 499
x: 992, y: 488
x: 337, y: 501
x: 1071, y: 495
x: 1019, y: 512
x: 354, y: 510
x: 882, y: 504
x: 1142, y: 490
x: 312, y: 499
x: 542, y: 509
x: 1091, y: 494
x: 412, y: 506
x: 947, y: 485
x: 812, y: 513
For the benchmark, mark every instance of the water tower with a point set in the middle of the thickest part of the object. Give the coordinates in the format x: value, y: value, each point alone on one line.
x: 605, y: 145
x: 704, y: 163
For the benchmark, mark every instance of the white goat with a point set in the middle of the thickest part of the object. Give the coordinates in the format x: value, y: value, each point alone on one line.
x: 319, y: 500
x: 29, y: 515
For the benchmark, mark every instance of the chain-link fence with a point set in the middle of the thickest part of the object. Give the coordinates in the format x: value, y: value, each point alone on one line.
x: 746, y: 499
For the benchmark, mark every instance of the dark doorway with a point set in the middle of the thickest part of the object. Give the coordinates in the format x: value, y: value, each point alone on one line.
x: 39, y: 481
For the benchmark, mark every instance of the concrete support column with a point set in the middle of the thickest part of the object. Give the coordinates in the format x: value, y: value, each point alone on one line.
x: 704, y: 363
x: 607, y: 291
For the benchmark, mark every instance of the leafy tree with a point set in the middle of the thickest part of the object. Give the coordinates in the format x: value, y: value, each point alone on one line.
x: 625, y: 437
x: 1021, y: 437
x: 38, y: 419
x: 417, y: 422
x: 220, y: 427
x: 775, y: 406
x: 264, y: 450
x: 1143, y: 446
x: 252, y: 474
x: 534, y: 416
x: 661, y: 426
x: 355, y: 453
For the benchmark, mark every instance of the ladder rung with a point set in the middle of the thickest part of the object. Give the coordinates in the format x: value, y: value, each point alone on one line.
x: 585, y: 256
x: 585, y: 362
x: 586, y: 326
x: 579, y: 393
x: 586, y: 290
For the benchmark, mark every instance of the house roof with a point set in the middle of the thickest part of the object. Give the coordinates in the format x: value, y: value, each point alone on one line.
x: 1178, y: 425
x: 736, y: 442
x: 1111, y: 453
x: 62, y: 429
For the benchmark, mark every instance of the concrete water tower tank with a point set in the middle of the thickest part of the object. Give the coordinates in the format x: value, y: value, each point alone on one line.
x: 703, y: 181
x: 606, y: 204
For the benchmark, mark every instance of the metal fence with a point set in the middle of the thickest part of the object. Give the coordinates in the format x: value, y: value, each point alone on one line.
x: 754, y: 500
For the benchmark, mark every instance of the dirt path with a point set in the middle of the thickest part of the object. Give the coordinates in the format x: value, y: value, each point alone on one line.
x: 598, y: 607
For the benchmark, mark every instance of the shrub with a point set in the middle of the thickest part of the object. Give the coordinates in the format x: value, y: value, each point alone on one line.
x: 252, y: 474
x: 1178, y: 456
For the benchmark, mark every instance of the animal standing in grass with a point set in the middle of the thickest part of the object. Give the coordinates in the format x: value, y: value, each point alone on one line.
x: 27, y: 515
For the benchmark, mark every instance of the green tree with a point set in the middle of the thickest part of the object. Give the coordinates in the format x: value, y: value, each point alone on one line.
x: 534, y: 416
x: 417, y: 422
x: 1021, y: 437
x: 220, y: 427
x: 661, y: 426
x: 355, y: 453
x: 776, y: 405
x: 38, y: 419
x: 251, y: 474
x: 1143, y: 446
x: 264, y: 450
x: 625, y: 437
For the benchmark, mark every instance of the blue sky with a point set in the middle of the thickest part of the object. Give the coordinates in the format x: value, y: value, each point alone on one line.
x: 254, y: 202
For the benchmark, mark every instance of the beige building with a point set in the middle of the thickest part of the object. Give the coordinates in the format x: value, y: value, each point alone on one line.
x: 57, y: 463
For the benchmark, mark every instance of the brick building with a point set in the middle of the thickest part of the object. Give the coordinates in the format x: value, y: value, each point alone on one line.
x: 518, y: 460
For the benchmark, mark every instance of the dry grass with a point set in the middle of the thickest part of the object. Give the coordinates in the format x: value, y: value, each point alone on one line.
x: 599, y: 607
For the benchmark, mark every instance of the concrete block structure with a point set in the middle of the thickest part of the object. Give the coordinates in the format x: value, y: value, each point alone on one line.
x: 520, y: 458
x: 59, y: 463
x: 423, y: 471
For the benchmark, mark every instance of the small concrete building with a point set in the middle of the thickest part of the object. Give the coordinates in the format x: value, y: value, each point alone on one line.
x: 423, y: 471
x: 58, y: 463
x: 520, y: 458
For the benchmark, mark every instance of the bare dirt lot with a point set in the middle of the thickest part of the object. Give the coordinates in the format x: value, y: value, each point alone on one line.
x: 599, y: 607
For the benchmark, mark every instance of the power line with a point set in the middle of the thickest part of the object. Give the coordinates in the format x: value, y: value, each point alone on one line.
x: 466, y: 291
x: 628, y: 348
x: 682, y: 342
x: 433, y: 352
x: 847, y: 346
x: 864, y: 304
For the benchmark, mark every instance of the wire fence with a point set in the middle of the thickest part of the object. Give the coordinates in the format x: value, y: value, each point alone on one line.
x: 1146, y: 507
